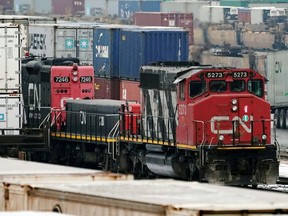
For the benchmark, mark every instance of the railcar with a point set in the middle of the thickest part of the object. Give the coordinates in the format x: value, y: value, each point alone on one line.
x: 41, y: 78
x: 195, y: 122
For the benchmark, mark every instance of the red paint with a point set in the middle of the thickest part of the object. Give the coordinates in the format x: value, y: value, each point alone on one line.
x: 172, y: 19
x: 106, y: 88
x: 129, y: 90
x: 244, y: 16
x: 69, y: 82
x: 68, y: 7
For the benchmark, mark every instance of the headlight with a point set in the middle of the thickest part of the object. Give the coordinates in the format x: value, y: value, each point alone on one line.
x: 75, y: 79
x: 75, y: 73
x: 221, y: 137
x: 234, y: 108
x: 264, y: 137
x: 234, y: 101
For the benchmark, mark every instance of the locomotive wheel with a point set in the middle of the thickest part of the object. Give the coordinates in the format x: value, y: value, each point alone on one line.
x: 282, y: 119
x: 276, y: 118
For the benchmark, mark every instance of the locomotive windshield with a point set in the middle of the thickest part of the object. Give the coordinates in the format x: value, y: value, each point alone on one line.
x: 256, y: 87
x: 237, y: 86
x: 197, y: 88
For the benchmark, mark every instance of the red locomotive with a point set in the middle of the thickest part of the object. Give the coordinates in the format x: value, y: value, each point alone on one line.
x: 195, y: 122
x: 69, y: 82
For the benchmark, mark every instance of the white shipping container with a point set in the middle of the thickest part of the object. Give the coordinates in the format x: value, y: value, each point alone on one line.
x: 42, y: 40
x: 10, y: 58
x: 75, y: 42
x: 277, y: 73
x: 101, y: 7
x: 144, y: 197
x: 24, y: 22
x: 10, y: 113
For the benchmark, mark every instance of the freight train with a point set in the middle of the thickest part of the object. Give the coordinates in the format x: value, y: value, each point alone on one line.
x: 195, y: 122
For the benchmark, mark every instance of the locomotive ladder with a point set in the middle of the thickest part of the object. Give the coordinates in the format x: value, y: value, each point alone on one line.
x: 113, y: 145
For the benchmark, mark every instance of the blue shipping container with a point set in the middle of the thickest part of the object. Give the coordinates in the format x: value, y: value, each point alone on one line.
x: 106, y: 51
x: 128, y: 7
x: 143, y: 45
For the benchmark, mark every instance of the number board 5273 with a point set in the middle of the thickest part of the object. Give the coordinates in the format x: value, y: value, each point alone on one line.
x: 212, y: 75
x: 240, y: 74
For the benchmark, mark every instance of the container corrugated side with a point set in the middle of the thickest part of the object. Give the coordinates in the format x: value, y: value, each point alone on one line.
x: 101, y: 7
x: 106, y: 88
x: 106, y: 51
x: 193, y: 7
x: 67, y: 7
x: 10, y: 58
x: 42, y: 40
x: 43, y: 7
x: 258, y: 40
x: 75, y: 42
x: 127, y: 7
x: 130, y: 91
x: 277, y: 72
x: 171, y: 19
x: 221, y: 36
x: 11, y: 113
x: 146, y: 197
x: 142, y: 46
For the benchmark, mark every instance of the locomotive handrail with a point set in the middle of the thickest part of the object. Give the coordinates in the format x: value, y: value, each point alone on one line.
x: 203, y: 129
x: 115, y: 132
x: 45, y: 119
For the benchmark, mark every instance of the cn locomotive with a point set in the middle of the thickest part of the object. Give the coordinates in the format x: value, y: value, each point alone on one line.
x: 195, y: 122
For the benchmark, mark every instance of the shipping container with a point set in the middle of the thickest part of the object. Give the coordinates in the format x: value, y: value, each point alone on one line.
x: 106, y: 41
x: 219, y: 14
x: 22, y: 172
x: 68, y: 7
x: 184, y: 20
x: 42, y: 40
x: 258, y: 40
x: 277, y: 72
x: 260, y: 14
x: 244, y: 15
x: 128, y: 7
x: 225, y: 60
x: 101, y: 8
x: 24, y: 22
x: 33, y: 7
x: 11, y: 113
x: 106, y: 88
x: 130, y: 91
x: 7, y: 5
x: 146, y: 197
x: 219, y: 36
x: 76, y: 42
x: 235, y: 3
x: 10, y: 46
x: 185, y: 7
x: 145, y: 45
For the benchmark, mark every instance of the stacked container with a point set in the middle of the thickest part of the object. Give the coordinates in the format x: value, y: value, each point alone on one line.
x: 33, y: 7
x: 68, y: 7
x: 10, y: 85
x: 171, y: 19
x: 128, y: 7
x: 101, y: 7
x: 119, y: 52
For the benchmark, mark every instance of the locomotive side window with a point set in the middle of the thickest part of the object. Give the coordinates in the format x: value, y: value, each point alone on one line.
x: 197, y: 88
x: 218, y: 86
x: 237, y: 86
x: 256, y: 87
x: 182, y: 90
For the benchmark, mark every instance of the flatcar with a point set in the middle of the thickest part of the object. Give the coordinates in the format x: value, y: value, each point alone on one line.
x: 195, y: 122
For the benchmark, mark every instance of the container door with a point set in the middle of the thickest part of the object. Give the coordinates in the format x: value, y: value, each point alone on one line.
x: 9, y: 59
x: 10, y: 114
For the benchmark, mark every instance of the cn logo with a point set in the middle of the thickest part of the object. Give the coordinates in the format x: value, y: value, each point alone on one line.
x: 226, y: 119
